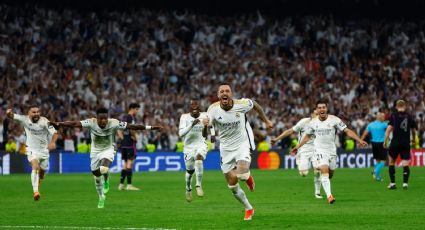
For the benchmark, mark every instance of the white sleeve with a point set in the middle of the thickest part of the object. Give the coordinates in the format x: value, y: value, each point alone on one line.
x: 88, y: 123
x: 183, y: 129
x: 247, y: 104
x: 340, y: 125
x: 297, y: 128
x: 116, y: 124
x: 19, y: 118
x: 309, y: 129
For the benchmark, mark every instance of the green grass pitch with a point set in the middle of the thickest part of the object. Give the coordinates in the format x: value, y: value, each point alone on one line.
x: 282, y: 200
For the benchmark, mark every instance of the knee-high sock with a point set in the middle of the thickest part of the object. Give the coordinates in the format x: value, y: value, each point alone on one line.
x: 317, y: 183
x: 199, y: 171
x: 123, y: 175
x: 34, y: 180
x: 98, y: 181
x: 391, y: 170
x: 406, y: 173
x: 129, y: 176
x: 378, y: 168
x: 188, y: 178
x: 240, y: 196
x: 326, y: 183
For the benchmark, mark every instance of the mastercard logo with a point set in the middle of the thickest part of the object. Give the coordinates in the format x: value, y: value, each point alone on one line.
x: 268, y: 160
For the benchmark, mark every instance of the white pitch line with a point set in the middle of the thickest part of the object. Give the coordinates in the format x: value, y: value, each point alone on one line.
x: 76, y: 227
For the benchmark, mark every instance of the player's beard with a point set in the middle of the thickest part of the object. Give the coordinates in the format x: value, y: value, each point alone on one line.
x: 35, y: 119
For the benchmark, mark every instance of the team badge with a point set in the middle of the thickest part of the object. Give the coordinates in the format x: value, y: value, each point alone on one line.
x: 238, y: 115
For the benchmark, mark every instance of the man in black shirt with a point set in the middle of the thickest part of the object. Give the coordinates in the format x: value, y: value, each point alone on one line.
x: 401, y: 125
x: 128, y: 149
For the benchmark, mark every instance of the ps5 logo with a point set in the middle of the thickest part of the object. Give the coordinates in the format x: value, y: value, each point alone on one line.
x: 158, y: 163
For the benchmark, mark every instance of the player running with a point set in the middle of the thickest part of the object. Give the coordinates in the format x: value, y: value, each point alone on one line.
x: 324, y: 127
x: 305, y: 155
x: 228, y: 117
x: 193, y: 133
x: 37, y: 130
x: 102, y: 152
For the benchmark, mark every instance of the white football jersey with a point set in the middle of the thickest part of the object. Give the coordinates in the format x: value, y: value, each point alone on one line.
x: 103, y: 139
x: 231, y: 124
x: 325, y: 133
x: 37, y: 133
x: 301, y: 128
x: 192, y: 136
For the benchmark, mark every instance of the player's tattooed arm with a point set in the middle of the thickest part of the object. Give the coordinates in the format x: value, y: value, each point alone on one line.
x: 282, y: 135
x: 353, y: 135
x: 260, y: 111
x: 305, y: 139
x: 387, y: 135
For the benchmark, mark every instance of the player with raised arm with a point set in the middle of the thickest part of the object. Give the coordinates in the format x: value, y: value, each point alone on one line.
x: 228, y: 117
x: 305, y: 155
x: 102, y: 152
x: 324, y: 129
x: 37, y: 130
x: 402, y: 125
x: 194, y: 133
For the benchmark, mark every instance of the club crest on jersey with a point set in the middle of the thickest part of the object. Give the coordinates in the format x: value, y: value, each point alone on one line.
x: 237, y: 115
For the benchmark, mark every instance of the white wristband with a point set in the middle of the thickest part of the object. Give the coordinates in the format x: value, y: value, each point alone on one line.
x: 148, y: 127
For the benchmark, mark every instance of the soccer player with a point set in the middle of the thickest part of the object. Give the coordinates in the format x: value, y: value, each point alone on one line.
x: 128, y: 149
x: 102, y: 131
x: 324, y: 128
x: 377, y: 130
x: 37, y: 130
x: 193, y: 133
x: 305, y: 155
x: 228, y: 117
x: 401, y: 125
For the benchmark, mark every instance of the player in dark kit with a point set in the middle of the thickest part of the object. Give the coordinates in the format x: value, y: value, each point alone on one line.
x: 128, y: 149
x: 401, y: 125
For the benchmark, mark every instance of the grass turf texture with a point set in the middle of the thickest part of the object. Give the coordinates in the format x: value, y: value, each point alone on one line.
x: 282, y: 200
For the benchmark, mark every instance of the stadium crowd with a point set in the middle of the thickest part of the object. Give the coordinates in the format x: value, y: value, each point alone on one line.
x: 72, y: 62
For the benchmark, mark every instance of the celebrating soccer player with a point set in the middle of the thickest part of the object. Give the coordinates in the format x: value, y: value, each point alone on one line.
x: 305, y: 155
x: 37, y: 130
x: 102, y: 130
x: 195, y: 149
x: 228, y: 117
x: 324, y: 127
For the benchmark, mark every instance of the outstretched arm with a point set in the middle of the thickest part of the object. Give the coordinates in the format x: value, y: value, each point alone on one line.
x: 282, y: 135
x: 353, y: 135
x: 71, y: 124
x: 52, y: 144
x: 143, y: 127
x: 305, y: 139
x: 262, y: 115
x: 365, y: 133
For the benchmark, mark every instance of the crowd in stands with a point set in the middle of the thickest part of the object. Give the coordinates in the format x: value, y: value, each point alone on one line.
x: 71, y: 62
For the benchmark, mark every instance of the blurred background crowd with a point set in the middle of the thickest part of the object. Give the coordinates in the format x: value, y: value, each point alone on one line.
x: 72, y: 62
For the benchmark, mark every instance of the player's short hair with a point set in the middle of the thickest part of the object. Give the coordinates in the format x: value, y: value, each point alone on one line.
x: 101, y: 110
x: 225, y: 83
x: 321, y: 101
x: 400, y: 102
x: 134, y: 106
x: 33, y: 106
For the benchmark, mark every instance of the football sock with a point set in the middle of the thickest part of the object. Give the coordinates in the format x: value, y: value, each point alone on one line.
x: 99, y: 185
x: 317, y: 182
x: 129, y: 176
x: 378, y: 168
x: 188, y: 178
x: 34, y: 180
x: 326, y: 183
x: 199, y: 171
x: 123, y: 175
x: 240, y: 196
x: 406, y: 174
x: 391, y: 170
